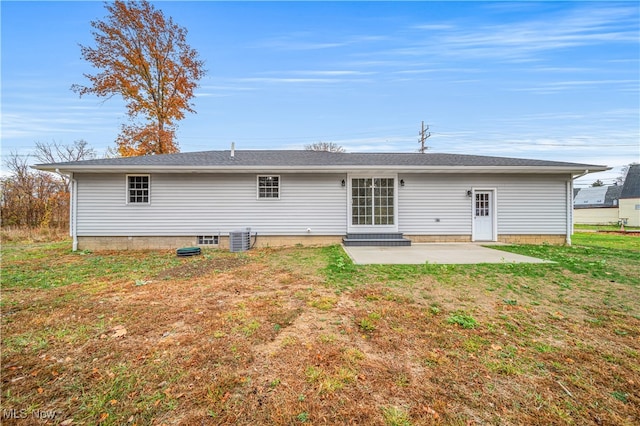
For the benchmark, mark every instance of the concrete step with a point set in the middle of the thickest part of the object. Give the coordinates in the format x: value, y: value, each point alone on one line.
x: 374, y: 235
x: 377, y: 239
x: 376, y: 243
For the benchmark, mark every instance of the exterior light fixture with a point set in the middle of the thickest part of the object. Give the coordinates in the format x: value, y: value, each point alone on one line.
x: 343, y: 183
x: 401, y: 182
x: 468, y: 193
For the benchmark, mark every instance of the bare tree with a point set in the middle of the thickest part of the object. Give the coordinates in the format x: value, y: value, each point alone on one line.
x: 324, y: 146
x: 30, y: 198
x: 33, y: 198
x: 111, y: 152
x: 17, y: 165
x: 623, y: 174
x: 54, y: 152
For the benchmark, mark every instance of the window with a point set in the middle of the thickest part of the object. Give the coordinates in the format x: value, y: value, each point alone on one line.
x: 207, y: 240
x: 138, y: 189
x: 268, y: 186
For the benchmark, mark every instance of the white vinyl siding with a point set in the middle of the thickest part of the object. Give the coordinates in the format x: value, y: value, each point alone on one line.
x: 209, y: 204
x: 431, y: 204
x: 215, y: 204
x: 533, y: 206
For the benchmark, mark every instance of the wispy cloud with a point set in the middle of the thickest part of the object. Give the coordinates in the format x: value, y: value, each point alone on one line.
x: 290, y: 80
x: 465, y: 143
x: 45, y: 125
x: 438, y: 69
x: 433, y: 27
x: 572, y: 85
x: 308, y: 77
x: 548, y: 69
x: 334, y: 73
x: 310, y: 41
x: 526, y: 39
x: 226, y: 88
x: 592, y: 117
x: 222, y: 91
x: 389, y: 144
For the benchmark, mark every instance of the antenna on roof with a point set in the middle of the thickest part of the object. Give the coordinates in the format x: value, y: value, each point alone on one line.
x: 233, y: 149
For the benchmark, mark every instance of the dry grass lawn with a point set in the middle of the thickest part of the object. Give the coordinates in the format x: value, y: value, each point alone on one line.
x: 301, y: 335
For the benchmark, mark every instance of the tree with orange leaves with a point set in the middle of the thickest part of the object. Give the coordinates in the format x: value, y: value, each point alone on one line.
x: 143, y: 57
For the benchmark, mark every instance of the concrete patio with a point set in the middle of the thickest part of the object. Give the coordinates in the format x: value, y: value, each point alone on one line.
x: 436, y: 253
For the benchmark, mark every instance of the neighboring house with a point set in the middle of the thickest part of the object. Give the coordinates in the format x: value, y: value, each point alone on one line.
x: 630, y: 197
x: 311, y: 197
x: 606, y: 205
x: 596, y: 205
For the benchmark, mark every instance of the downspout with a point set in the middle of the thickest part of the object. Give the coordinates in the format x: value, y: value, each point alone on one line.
x: 73, y: 212
x: 570, y: 205
x: 73, y: 204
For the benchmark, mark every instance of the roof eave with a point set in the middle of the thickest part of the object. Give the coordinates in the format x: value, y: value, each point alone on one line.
x: 319, y: 169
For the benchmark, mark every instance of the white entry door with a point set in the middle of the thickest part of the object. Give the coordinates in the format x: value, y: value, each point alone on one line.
x: 483, y: 216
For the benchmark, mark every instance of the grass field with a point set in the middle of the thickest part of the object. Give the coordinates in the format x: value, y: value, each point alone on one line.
x: 301, y: 335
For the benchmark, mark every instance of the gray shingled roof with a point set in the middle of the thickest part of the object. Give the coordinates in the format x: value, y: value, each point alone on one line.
x: 312, y: 159
x: 587, y: 198
x: 631, y: 187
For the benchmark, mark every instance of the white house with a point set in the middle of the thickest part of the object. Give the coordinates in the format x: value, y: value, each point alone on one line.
x: 613, y: 204
x: 630, y: 197
x: 597, y: 205
x: 310, y: 197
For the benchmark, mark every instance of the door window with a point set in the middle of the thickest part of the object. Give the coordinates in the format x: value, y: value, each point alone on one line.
x: 482, y: 204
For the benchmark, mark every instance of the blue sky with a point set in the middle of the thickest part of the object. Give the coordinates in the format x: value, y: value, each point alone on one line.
x: 546, y: 80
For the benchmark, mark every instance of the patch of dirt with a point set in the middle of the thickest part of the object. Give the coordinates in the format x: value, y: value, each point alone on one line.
x: 193, y: 267
x: 627, y: 233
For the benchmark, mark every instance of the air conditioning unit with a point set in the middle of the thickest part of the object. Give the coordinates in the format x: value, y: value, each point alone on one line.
x: 240, y: 240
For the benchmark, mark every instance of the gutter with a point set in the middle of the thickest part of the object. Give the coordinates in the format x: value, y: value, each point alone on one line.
x: 570, y: 204
x: 320, y: 169
x: 74, y: 213
x: 586, y: 172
